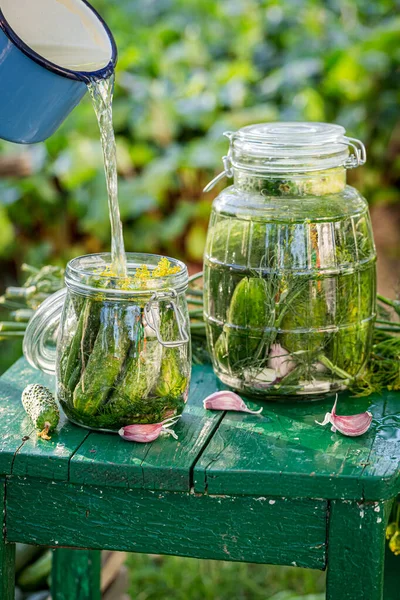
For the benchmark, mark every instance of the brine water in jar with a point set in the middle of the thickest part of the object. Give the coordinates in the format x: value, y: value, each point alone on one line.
x: 289, y: 267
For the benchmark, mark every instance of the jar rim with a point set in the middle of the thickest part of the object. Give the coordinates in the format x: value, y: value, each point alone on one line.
x: 81, y: 271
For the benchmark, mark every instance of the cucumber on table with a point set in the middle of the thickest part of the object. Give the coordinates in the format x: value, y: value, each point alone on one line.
x: 40, y: 405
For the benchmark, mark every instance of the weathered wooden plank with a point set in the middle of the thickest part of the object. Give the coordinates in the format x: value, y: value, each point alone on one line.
x: 50, y: 458
x: 169, y: 463
x: 238, y: 528
x: 164, y: 464
x: 356, y: 550
x: 381, y: 475
x: 283, y: 452
x: 15, y: 425
x: 109, y: 460
x: 7, y: 555
x: 21, y: 451
x: 75, y: 575
x: 279, y: 453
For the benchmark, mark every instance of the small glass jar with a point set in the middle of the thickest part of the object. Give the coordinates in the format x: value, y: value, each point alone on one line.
x: 289, y: 267
x: 120, y: 348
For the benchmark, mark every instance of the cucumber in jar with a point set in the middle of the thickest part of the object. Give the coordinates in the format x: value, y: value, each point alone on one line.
x: 105, y: 361
x: 251, y: 316
x: 78, y: 352
x: 172, y: 381
x: 136, y: 380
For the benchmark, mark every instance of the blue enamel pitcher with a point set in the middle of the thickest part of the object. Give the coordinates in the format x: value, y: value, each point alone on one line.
x: 49, y: 50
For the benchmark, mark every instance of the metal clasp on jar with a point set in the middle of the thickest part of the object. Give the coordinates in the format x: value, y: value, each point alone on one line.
x: 360, y: 154
x: 152, y: 318
x: 227, y: 172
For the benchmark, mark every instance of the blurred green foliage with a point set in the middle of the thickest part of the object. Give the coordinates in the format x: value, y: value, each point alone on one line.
x: 176, y: 578
x: 189, y: 70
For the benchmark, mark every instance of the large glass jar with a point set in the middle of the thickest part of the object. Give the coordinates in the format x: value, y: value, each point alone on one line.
x: 289, y: 267
x: 121, y: 352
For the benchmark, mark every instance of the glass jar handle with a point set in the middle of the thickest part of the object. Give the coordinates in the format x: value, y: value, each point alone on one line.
x: 151, y: 318
x: 42, y: 331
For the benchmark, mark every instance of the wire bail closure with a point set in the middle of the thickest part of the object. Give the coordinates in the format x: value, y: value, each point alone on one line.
x: 152, y: 318
x: 227, y: 172
x: 355, y: 159
x: 360, y: 154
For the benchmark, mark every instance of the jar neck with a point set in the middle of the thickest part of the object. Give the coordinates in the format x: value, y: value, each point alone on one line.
x: 92, y: 276
x: 310, y: 183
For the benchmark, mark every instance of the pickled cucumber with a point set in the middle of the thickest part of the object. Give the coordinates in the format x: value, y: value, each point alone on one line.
x: 250, y: 318
x: 105, y: 361
x: 172, y: 380
x: 137, y: 379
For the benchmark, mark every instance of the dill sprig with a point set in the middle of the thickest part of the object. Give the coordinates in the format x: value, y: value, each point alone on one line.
x: 383, y: 368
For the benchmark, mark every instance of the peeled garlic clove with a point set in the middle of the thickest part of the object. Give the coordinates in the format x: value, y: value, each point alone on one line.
x: 263, y: 380
x: 227, y: 401
x: 314, y: 387
x: 141, y: 433
x: 350, y: 425
x: 280, y: 361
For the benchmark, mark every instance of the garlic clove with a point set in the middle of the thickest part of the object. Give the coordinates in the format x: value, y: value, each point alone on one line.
x: 148, y: 432
x: 349, y: 425
x: 315, y: 386
x: 227, y: 401
x: 263, y: 380
x: 280, y: 361
x: 141, y: 433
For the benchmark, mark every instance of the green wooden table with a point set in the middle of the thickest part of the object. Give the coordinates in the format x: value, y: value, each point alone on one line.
x: 274, y: 488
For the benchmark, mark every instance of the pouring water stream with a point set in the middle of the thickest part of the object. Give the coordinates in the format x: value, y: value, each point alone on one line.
x: 101, y: 92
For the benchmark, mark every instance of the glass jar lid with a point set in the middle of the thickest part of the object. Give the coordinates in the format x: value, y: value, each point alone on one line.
x: 291, y: 147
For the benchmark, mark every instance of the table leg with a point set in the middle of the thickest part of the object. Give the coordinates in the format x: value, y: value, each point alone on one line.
x: 7, y: 556
x: 75, y: 574
x: 7, y: 570
x: 356, y: 550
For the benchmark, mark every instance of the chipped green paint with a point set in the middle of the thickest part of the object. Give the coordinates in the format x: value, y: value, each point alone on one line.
x: 238, y: 528
x: 222, y: 491
x: 283, y: 449
x: 165, y: 464
x: 356, y: 550
x: 233, y: 453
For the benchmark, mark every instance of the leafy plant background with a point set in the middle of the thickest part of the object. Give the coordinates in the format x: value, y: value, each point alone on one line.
x: 189, y: 70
